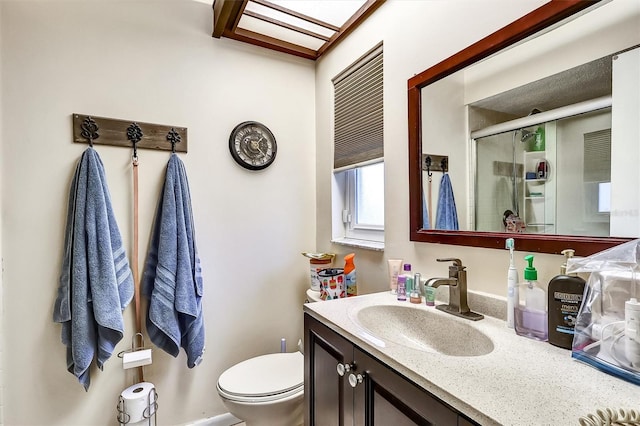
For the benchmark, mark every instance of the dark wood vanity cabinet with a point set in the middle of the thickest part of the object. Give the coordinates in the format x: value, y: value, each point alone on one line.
x: 380, y: 397
x: 328, y: 397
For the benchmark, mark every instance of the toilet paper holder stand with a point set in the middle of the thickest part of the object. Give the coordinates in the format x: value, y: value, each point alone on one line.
x: 149, y: 413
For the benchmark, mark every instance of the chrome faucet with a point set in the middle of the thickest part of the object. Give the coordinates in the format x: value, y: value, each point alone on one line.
x: 457, y: 283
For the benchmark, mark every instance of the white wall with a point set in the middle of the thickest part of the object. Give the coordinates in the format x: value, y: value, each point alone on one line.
x: 416, y: 36
x: 154, y: 62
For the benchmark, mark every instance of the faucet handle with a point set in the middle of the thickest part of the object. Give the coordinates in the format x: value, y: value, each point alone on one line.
x: 456, y: 262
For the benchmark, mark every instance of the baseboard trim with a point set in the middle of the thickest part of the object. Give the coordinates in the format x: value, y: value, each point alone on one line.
x: 226, y: 419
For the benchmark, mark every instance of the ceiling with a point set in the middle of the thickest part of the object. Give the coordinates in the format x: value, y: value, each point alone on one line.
x: 305, y: 28
x: 582, y: 83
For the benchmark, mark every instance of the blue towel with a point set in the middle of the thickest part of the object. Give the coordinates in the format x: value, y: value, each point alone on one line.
x: 172, y: 279
x: 95, y: 282
x: 425, y: 212
x: 446, y: 214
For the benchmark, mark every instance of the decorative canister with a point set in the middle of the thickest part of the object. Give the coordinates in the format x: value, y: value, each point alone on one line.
x: 315, y: 266
x: 332, y: 283
x: 318, y: 262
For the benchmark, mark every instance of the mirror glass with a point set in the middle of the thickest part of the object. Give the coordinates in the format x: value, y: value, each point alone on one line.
x: 538, y: 141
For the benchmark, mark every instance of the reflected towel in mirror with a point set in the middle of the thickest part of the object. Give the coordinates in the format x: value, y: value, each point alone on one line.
x: 425, y: 212
x: 446, y: 213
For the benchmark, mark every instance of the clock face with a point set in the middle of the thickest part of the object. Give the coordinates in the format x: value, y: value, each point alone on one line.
x: 252, y: 145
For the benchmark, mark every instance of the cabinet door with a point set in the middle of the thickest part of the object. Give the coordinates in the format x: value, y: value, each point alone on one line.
x: 385, y: 398
x: 328, y: 396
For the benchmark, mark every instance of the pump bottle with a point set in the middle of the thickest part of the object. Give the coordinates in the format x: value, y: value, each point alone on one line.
x: 531, y: 312
x: 565, y: 298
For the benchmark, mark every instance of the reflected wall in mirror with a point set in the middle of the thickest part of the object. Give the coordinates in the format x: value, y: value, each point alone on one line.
x: 542, y: 138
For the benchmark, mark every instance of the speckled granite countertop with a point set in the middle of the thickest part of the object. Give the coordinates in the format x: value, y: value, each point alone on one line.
x: 521, y: 382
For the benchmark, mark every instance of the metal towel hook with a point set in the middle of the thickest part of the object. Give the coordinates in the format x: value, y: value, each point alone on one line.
x: 89, y: 130
x: 134, y: 134
x: 427, y: 162
x: 174, y: 138
x: 444, y: 165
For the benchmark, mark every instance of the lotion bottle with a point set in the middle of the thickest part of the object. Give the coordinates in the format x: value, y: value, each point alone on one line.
x: 394, y: 272
x: 512, y: 285
x: 531, y: 312
x: 565, y: 298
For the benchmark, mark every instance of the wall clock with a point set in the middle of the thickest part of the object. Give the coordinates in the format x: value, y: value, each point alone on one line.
x: 252, y: 145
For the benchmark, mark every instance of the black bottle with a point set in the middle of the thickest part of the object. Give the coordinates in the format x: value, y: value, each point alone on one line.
x: 565, y: 294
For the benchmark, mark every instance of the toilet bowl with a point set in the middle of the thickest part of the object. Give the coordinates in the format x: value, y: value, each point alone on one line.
x: 266, y: 390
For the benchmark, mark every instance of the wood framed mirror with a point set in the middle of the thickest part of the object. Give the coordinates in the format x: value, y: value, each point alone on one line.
x: 546, y: 17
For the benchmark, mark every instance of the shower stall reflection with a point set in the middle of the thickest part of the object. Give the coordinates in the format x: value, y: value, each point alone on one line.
x: 546, y: 179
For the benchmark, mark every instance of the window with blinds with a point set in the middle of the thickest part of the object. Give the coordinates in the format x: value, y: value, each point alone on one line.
x: 358, y: 112
x: 597, y: 156
x: 597, y: 175
x: 358, y: 185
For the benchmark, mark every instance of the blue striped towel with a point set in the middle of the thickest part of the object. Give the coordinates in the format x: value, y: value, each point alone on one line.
x: 172, y: 279
x: 95, y: 282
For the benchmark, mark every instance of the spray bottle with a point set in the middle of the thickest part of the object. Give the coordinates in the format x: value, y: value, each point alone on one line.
x: 512, y: 285
x: 350, y: 275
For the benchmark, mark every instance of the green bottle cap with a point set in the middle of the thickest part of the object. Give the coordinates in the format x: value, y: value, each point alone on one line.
x: 530, y: 273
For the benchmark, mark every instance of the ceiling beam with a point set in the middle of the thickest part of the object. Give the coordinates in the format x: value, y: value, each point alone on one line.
x: 286, y: 25
x: 262, y: 40
x: 226, y: 15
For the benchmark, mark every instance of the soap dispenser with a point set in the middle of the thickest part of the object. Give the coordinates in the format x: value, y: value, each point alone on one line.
x: 565, y: 298
x: 531, y: 312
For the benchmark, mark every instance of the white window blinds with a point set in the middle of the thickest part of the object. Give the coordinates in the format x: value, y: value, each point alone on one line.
x: 358, y: 111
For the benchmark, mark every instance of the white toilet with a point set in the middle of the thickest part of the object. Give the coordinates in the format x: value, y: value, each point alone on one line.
x: 313, y: 296
x: 267, y: 390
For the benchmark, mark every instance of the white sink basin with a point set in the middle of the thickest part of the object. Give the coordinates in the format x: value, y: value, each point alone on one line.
x: 423, y: 330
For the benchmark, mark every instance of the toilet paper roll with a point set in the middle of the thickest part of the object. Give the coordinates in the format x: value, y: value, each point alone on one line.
x: 134, y: 400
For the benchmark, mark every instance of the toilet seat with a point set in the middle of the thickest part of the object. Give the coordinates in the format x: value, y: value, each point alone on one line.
x: 264, y: 378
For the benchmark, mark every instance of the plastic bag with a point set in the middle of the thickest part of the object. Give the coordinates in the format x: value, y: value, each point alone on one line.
x: 607, y: 330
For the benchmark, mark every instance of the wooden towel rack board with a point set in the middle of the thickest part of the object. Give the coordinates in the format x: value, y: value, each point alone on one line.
x: 110, y: 131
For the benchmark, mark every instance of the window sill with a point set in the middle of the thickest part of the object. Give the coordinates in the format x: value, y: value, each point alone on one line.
x: 363, y: 244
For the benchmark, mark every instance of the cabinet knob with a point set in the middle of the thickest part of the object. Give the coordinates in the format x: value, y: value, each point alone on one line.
x: 344, y: 368
x: 355, y: 379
